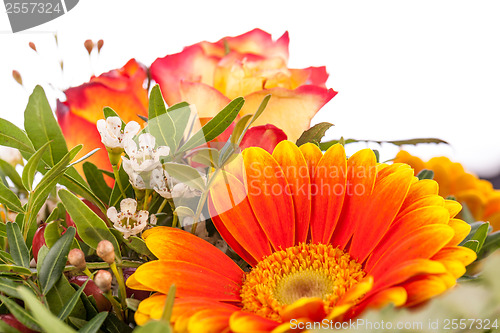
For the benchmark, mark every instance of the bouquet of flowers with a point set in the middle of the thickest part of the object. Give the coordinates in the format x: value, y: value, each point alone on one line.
x: 194, y: 196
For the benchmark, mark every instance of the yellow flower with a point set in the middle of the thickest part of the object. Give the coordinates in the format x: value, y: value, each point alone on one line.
x: 326, y: 238
x: 478, y: 194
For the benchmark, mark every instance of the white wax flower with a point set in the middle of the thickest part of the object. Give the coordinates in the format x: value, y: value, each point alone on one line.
x: 111, y: 132
x: 182, y: 190
x: 128, y: 221
x: 161, y: 183
x: 144, y: 158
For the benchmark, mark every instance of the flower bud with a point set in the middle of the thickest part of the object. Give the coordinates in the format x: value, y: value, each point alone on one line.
x: 33, y: 46
x: 17, y: 76
x: 106, y: 251
x: 103, y: 280
x: 100, y: 44
x: 76, y: 257
x: 89, y: 45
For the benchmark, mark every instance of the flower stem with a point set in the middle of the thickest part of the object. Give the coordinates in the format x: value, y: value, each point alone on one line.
x: 169, y: 304
x: 203, y: 198
x: 162, y: 206
x: 115, y: 304
x: 117, y: 180
x: 121, y: 284
x: 146, y: 198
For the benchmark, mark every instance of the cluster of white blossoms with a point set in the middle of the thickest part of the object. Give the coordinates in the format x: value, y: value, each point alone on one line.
x: 129, y: 221
x: 112, y: 135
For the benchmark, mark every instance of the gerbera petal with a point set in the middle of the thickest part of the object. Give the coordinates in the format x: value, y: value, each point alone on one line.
x: 191, y: 280
x: 423, y: 243
x: 327, y: 193
x: 312, y: 155
x: 295, y: 168
x: 454, y: 207
x: 210, y: 321
x: 465, y: 255
x: 361, y: 174
x: 389, y: 191
x: 357, y: 291
x: 230, y: 202
x: 422, y: 289
x: 174, y: 244
x: 243, y: 322
x: 461, y: 228
x: 290, y: 110
x: 192, y: 64
x: 310, y: 308
x: 143, y: 313
x: 207, y: 100
x: 396, y: 296
x: 269, y: 196
x: 425, y: 201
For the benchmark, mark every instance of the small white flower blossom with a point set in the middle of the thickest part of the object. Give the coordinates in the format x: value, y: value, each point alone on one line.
x: 112, y: 135
x: 161, y: 183
x: 182, y: 190
x: 11, y: 155
x: 144, y: 158
x: 128, y: 221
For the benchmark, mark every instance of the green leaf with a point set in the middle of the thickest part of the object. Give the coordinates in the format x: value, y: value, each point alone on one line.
x: 13, y: 269
x: 79, y: 187
x: 31, y: 167
x: 42, y: 253
x: 216, y: 125
x: 109, y: 112
x: 481, y: 234
x: 90, y: 226
x: 314, y: 134
x: 13, y: 136
x: 10, y: 199
x: 11, y: 172
x: 472, y: 244
x: 44, y: 317
x: 185, y: 174
x: 21, y: 314
x: 5, y: 257
x: 257, y: 114
x: 328, y: 144
x: 70, y: 305
x: 116, y: 195
x: 425, y: 174
x: 9, y: 287
x: 139, y: 245
x: 491, y: 244
x: 94, y: 324
x: 115, y: 325
x: 18, y: 248
x: 55, y: 260
x: 52, y: 233
x: 96, y: 181
x: 155, y: 326
x: 206, y: 156
x: 42, y: 127
x: 160, y: 123
x: 60, y: 295
x: 240, y: 129
x: 84, y: 157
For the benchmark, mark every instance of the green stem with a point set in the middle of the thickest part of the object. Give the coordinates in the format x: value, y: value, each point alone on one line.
x: 203, y: 198
x: 117, y: 180
x: 162, y: 206
x: 169, y: 304
x: 121, y: 284
x: 103, y: 265
x: 115, y: 304
x: 146, y: 198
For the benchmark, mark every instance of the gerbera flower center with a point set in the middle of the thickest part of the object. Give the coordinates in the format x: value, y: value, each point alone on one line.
x: 306, y: 270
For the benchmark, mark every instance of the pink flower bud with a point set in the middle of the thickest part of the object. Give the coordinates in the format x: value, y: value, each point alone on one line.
x: 106, y: 251
x: 103, y: 280
x: 76, y: 257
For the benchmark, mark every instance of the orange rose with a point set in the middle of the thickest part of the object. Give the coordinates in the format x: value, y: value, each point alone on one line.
x: 121, y: 89
x: 252, y: 65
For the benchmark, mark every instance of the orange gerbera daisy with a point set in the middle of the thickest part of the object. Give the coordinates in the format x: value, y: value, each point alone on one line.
x: 478, y: 194
x: 325, y: 236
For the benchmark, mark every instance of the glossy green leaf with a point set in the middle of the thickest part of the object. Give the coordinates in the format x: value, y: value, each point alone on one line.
x: 52, y: 233
x: 10, y: 199
x: 94, y: 324
x: 96, y: 181
x: 17, y: 246
x: 31, y: 167
x: 160, y: 123
x: 42, y: 253
x: 216, y: 125
x: 71, y: 304
x: 45, y: 128
x: 314, y: 134
x: 138, y: 245
x: 60, y: 295
x: 80, y: 188
x: 13, y: 136
x: 13, y: 269
x: 44, y: 317
x: 90, y: 226
x: 472, y: 244
x: 11, y: 172
x: 185, y: 174
x: 55, y: 260
x: 9, y: 287
x: 328, y: 144
x: 425, y: 174
x: 20, y: 313
x: 481, y: 234
x: 114, y: 325
x: 257, y: 114
x: 240, y: 129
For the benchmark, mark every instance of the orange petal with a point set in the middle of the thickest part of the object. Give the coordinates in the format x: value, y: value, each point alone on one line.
x: 389, y: 192
x: 192, y: 64
x: 454, y: 207
x: 207, y: 100
x: 310, y: 308
x: 327, y: 193
x: 361, y: 174
x: 396, y: 296
x: 268, y: 194
x: 357, y: 291
x: 423, y: 243
x: 416, y: 163
x: 290, y: 110
x: 462, y: 229
x: 418, y: 190
x: 191, y: 280
x: 295, y: 168
x: 312, y: 155
x: 425, y: 201
x: 423, y: 289
x: 174, y: 244
x: 144, y: 311
x: 244, y: 322
x: 265, y: 137
x: 405, y: 226
x: 210, y: 321
x: 465, y: 255
x: 231, y: 204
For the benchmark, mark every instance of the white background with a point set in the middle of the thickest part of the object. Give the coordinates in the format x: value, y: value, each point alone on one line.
x: 403, y: 69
